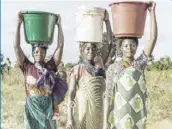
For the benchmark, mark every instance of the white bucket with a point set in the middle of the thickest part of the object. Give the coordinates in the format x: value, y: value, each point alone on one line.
x: 89, y: 24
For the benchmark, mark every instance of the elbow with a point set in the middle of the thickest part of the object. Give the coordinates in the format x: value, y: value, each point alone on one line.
x: 60, y: 45
x: 153, y: 40
x: 16, y: 47
x: 57, y: 62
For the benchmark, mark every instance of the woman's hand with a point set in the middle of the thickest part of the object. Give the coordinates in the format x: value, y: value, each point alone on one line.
x: 106, y: 16
x: 152, y: 6
x: 58, y: 19
x: 20, y: 18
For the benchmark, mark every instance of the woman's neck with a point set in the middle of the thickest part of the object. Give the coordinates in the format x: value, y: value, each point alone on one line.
x: 39, y: 64
x: 90, y: 62
x: 128, y: 60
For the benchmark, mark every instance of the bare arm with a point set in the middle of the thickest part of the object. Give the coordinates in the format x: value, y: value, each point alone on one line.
x: 59, y: 50
x: 109, y: 32
x: 17, y: 48
x: 72, y: 92
x: 106, y: 111
x: 108, y: 96
x: 110, y: 38
x: 153, y: 31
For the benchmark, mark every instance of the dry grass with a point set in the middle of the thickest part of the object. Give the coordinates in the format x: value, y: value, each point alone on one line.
x: 159, y: 90
x: 160, y: 95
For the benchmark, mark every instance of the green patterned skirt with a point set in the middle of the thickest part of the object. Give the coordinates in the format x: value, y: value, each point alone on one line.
x: 38, y: 112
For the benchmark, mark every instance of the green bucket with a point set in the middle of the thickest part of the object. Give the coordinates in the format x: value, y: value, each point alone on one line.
x: 39, y: 27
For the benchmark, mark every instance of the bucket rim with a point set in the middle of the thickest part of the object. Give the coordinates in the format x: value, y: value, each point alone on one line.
x: 37, y: 12
x: 128, y: 1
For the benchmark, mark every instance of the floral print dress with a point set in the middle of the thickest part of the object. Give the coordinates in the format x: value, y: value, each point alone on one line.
x: 41, y: 105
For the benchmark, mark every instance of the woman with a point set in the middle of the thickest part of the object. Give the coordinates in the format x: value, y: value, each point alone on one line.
x: 88, y: 89
x: 126, y: 89
x: 41, y: 84
x: 87, y: 85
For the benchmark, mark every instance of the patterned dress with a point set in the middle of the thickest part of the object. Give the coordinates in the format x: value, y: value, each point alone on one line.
x: 127, y: 90
x: 89, y: 97
x: 40, y: 103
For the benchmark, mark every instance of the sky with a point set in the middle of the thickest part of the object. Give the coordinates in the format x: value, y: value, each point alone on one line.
x: 67, y: 10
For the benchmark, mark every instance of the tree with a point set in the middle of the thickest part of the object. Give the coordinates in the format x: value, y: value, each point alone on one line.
x: 68, y: 66
x: 163, y: 64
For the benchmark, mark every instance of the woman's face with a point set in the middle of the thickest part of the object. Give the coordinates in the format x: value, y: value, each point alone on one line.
x: 90, y: 51
x: 128, y: 48
x: 39, y: 54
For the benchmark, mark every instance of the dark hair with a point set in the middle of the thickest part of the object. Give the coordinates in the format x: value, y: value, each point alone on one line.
x: 82, y: 45
x: 119, y: 42
x: 135, y: 39
x: 44, y: 47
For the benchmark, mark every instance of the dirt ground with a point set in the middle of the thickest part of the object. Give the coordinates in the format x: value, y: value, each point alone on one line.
x: 165, y: 124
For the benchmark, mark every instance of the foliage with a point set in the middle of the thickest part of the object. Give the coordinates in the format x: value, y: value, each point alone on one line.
x: 164, y: 63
